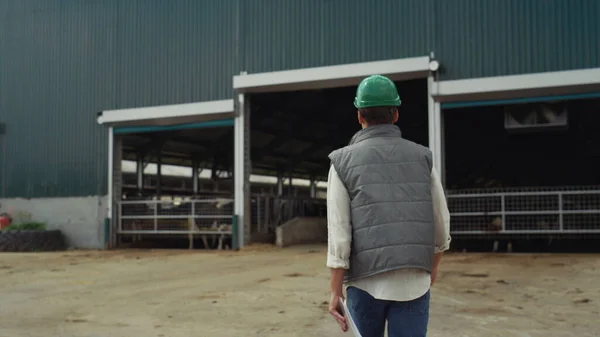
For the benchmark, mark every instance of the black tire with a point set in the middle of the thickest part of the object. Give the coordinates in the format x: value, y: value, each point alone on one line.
x: 32, y: 241
x: 8, y: 242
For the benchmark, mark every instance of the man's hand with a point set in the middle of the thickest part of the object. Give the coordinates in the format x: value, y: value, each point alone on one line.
x: 337, y: 295
x: 336, y: 311
x: 437, y: 258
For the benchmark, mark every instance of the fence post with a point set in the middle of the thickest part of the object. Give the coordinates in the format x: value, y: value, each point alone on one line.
x: 119, y: 214
x: 106, y: 233
x: 235, y: 245
x: 258, y: 214
x: 156, y: 216
x: 503, y: 211
x: 561, y: 224
x: 193, y: 216
x: 267, y: 213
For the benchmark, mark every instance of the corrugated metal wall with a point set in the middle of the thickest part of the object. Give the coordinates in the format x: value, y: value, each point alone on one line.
x: 472, y: 38
x: 174, y: 51
x: 63, y: 60
x: 480, y: 38
x: 291, y: 34
x: 56, y: 65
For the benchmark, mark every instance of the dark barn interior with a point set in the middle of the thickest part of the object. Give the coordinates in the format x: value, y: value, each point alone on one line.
x: 293, y: 132
x: 535, y: 184
x: 481, y: 153
x: 206, y: 148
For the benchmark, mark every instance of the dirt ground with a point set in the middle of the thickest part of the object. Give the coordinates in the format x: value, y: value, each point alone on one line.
x: 264, y: 291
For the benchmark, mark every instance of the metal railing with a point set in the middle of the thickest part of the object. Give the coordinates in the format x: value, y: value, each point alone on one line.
x: 176, y: 216
x: 525, y: 212
x: 480, y: 212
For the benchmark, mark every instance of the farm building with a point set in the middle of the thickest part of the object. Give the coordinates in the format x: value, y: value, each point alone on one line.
x: 159, y: 119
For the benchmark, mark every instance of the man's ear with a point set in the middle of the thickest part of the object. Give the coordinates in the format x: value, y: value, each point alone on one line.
x: 361, y: 120
x: 396, y: 115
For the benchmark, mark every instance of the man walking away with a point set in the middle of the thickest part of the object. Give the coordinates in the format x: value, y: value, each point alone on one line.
x: 388, y: 221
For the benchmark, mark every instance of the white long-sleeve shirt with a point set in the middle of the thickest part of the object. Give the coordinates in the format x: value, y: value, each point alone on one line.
x: 397, y: 285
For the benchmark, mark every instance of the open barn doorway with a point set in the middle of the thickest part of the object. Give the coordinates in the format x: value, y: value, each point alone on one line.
x: 171, y: 176
x: 292, y: 134
x: 288, y: 122
x: 177, y: 188
x: 524, y: 173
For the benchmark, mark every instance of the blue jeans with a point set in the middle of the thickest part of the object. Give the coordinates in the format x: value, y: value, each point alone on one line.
x: 405, y: 319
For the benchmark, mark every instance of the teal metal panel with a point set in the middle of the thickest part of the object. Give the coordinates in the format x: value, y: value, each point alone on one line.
x: 481, y: 38
x: 174, y: 51
x: 61, y: 61
x: 291, y: 34
x: 202, y: 125
x: 56, y: 67
x: 469, y: 104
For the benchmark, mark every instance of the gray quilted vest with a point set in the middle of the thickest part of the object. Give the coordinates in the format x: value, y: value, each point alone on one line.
x: 389, y: 182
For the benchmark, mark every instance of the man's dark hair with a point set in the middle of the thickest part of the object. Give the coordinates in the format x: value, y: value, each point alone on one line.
x: 378, y: 115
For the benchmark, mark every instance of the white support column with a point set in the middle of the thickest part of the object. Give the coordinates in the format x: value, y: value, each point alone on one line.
x: 110, y: 172
x: 238, y: 167
x: 431, y: 115
x: 435, y: 128
x: 441, y: 143
x: 242, y: 166
x: 115, y: 184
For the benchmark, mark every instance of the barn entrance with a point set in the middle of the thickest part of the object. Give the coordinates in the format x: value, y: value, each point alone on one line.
x: 171, y: 176
x: 293, y: 126
x: 536, y: 161
x: 523, y: 166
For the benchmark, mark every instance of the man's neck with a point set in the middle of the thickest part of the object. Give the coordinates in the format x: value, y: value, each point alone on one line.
x: 365, y: 125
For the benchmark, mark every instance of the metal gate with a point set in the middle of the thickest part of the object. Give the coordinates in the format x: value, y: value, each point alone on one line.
x: 564, y: 210
x: 525, y: 211
x: 208, y: 215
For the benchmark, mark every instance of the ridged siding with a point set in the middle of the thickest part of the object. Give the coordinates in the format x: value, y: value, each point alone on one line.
x: 175, y: 51
x: 290, y: 34
x: 472, y: 38
x: 56, y: 71
x: 63, y: 61
x: 480, y: 38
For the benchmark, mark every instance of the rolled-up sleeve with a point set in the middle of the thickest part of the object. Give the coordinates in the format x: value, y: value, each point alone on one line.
x: 441, y: 214
x: 339, y: 227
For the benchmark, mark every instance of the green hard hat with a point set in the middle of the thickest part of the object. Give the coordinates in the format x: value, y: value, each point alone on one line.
x: 376, y: 90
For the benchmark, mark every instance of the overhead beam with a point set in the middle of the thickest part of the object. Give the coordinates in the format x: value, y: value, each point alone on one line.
x: 165, y: 115
x: 518, y: 86
x: 331, y: 76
